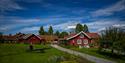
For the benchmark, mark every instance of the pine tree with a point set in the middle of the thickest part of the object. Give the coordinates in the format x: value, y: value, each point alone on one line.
x: 41, y: 31
x: 50, y: 31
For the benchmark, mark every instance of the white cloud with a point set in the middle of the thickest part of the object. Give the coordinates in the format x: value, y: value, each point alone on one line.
x: 29, y: 29
x: 101, y: 24
x: 7, y: 5
x: 70, y: 27
x: 10, y: 23
x: 119, y: 6
x: 27, y: 20
x: 63, y: 26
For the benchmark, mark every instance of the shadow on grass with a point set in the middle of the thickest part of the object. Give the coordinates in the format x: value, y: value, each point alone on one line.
x: 39, y: 50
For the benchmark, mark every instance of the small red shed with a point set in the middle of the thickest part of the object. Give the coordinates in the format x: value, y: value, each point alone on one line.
x: 81, y: 38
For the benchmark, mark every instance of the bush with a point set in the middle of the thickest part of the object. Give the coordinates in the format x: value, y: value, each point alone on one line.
x: 69, y: 62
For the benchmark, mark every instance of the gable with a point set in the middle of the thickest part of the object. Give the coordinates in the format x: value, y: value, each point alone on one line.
x: 78, y: 34
x: 31, y: 35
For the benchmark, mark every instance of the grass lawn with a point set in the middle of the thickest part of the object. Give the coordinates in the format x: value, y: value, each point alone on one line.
x: 19, y: 53
x: 94, y: 52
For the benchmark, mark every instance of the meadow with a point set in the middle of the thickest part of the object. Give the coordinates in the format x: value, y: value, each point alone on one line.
x: 20, y: 53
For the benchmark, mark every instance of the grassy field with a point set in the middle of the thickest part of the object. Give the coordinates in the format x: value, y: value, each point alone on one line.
x: 19, y: 53
x: 94, y: 52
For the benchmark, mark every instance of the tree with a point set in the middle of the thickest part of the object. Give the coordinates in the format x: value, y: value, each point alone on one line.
x: 1, y: 37
x: 86, y: 28
x: 113, y: 38
x: 1, y: 33
x: 50, y: 31
x: 63, y: 34
x: 41, y: 31
x: 57, y: 33
x: 79, y: 28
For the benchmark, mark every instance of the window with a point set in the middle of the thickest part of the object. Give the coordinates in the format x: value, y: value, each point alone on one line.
x: 81, y: 36
x: 79, y: 41
x: 85, y: 41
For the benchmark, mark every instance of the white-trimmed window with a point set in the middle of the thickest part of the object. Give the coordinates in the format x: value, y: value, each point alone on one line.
x: 81, y: 36
x: 85, y: 41
x: 79, y: 41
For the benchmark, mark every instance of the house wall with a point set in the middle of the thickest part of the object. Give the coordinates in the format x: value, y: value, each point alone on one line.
x: 33, y: 39
x: 73, y: 41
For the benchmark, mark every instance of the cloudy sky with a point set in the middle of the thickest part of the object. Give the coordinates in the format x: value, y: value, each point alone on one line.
x: 28, y: 15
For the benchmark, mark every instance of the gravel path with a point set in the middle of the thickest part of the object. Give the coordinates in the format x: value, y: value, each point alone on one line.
x: 88, y: 57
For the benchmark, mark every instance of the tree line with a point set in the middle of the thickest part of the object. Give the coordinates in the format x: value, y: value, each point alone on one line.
x: 79, y: 28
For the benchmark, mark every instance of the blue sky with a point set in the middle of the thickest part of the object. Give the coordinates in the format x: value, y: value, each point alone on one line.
x: 28, y: 15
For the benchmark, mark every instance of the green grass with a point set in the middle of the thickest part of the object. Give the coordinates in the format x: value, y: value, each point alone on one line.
x: 19, y: 53
x: 94, y: 52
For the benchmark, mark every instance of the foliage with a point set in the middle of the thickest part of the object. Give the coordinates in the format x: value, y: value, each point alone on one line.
x: 63, y: 34
x: 55, y: 59
x: 113, y: 38
x: 1, y: 33
x: 1, y: 37
x: 69, y: 62
x: 57, y: 33
x: 80, y: 28
x: 50, y: 31
x: 85, y: 28
x: 94, y: 52
x: 41, y: 31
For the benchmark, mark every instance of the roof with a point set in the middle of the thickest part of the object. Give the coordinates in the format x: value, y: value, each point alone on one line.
x: 19, y: 35
x: 93, y: 35
x: 8, y: 37
x: 29, y: 35
x: 89, y: 35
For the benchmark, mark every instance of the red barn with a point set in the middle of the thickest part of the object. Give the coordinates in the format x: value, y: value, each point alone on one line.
x: 82, y: 39
x: 30, y: 38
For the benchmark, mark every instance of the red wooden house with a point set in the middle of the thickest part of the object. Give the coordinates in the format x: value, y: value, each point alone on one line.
x: 30, y: 38
x: 82, y: 39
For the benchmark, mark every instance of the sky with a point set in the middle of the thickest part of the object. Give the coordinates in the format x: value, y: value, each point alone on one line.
x: 27, y: 16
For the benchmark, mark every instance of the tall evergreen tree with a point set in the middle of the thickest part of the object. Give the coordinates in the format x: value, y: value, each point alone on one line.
x: 57, y: 33
x: 50, y: 31
x: 79, y: 28
x: 86, y: 28
x: 41, y: 31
